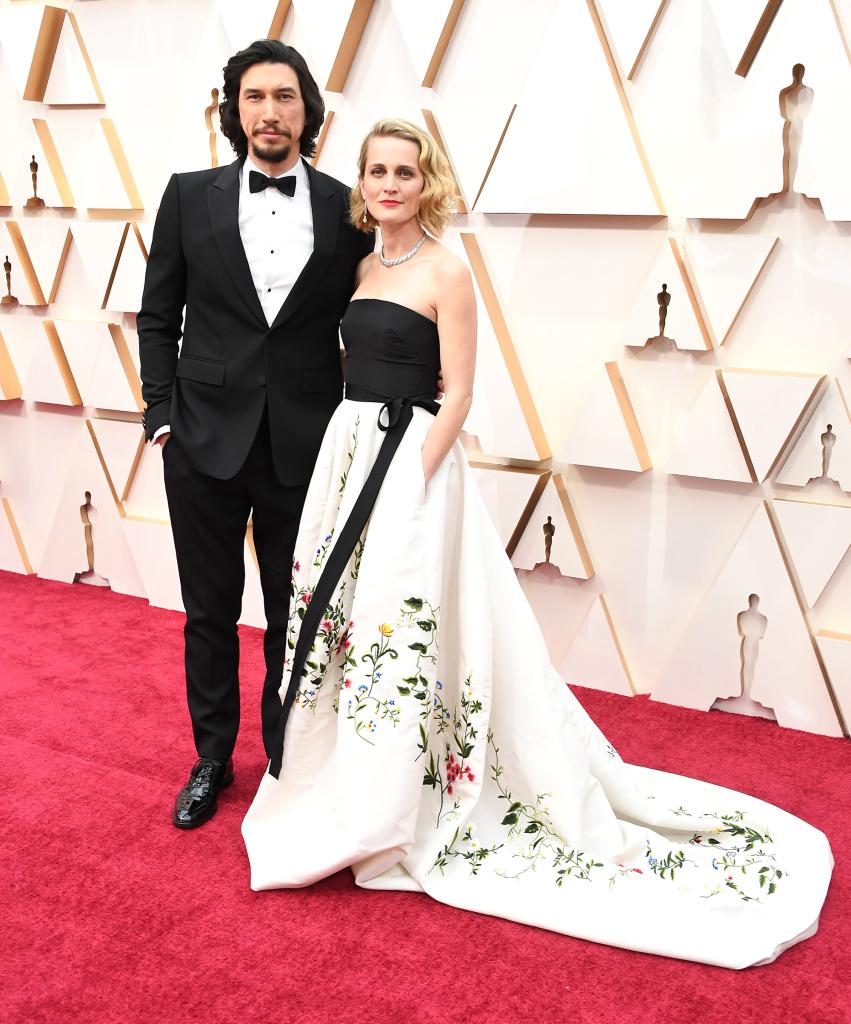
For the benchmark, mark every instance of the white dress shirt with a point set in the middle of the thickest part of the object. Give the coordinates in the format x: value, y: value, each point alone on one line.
x: 277, y: 236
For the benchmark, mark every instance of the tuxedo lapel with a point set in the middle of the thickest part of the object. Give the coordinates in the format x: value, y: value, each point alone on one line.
x: 325, y: 206
x: 223, y: 204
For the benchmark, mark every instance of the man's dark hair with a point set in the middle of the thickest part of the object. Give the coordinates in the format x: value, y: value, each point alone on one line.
x: 269, y: 51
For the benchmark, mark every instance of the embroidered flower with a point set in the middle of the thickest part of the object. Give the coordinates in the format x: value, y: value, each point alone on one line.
x: 454, y: 772
x: 347, y: 683
x: 297, y: 567
x: 385, y: 629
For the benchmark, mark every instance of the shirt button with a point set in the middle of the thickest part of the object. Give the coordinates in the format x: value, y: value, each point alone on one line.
x: 261, y: 381
x: 274, y: 212
x: 268, y: 289
x: 272, y: 251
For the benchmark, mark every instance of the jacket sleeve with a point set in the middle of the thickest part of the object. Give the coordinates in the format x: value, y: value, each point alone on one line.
x: 159, y: 323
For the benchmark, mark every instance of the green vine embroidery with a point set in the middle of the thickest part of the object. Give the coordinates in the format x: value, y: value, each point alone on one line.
x: 322, y: 551
x: 358, y: 555
x: 531, y: 822
x: 739, y: 847
x: 364, y: 708
x: 667, y: 866
x: 332, y: 637
x: 444, y: 775
x: 350, y: 456
x: 474, y: 854
x: 525, y: 822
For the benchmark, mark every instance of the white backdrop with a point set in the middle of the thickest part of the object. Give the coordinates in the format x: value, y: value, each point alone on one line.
x: 601, y: 148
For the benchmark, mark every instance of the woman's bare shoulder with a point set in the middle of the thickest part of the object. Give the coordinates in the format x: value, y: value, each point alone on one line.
x: 449, y: 269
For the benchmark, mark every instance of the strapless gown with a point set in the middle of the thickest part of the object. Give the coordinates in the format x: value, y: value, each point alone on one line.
x: 428, y: 744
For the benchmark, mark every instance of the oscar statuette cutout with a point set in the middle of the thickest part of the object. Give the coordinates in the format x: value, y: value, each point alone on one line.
x: 89, y: 576
x: 751, y: 625
x: 212, y: 120
x: 34, y: 202
x: 8, y: 299
x: 661, y: 342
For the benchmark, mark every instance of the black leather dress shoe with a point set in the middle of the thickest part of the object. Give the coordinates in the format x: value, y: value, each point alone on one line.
x: 196, y: 802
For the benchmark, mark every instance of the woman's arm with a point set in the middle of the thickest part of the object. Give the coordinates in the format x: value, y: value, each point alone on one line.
x: 456, y: 324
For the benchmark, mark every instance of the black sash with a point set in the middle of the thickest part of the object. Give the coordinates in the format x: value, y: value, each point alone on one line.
x: 399, y: 413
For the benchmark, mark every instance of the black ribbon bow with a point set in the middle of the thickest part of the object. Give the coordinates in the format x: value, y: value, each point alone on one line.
x: 257, y: 182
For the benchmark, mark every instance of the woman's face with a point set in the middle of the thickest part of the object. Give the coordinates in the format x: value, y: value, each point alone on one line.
x: 392, y: 181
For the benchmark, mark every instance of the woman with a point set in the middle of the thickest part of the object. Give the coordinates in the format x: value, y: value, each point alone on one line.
x: 429, y: 743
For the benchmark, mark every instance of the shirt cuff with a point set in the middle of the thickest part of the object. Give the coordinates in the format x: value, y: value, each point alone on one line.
x: 165, y: 429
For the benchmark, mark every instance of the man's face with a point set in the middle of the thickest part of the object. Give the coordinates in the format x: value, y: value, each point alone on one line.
x: 271, y: 111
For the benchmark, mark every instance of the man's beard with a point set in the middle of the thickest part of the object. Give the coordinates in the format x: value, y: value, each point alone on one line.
x: 275, y: 154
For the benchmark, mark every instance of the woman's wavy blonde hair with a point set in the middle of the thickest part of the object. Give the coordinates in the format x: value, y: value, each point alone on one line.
x: 437, y: 201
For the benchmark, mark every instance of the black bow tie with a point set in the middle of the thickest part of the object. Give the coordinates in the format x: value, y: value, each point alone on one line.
x: 257, y: 182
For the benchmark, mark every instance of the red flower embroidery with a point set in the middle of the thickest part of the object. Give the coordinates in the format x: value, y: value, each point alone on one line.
x: 306, y: 597
x: 297, y: 567
x: 454, y: 771
x: 347, y: 683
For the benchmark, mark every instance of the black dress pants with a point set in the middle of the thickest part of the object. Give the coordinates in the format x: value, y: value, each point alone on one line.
x: 208, y: 521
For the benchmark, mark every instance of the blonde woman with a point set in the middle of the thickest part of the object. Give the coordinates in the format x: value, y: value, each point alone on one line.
x: 425, y: 740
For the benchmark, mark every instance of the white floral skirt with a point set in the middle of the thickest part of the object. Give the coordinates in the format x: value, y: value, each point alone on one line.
x: 433, y: 747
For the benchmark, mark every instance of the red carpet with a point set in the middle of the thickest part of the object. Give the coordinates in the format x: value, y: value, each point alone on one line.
x: 112, y: 915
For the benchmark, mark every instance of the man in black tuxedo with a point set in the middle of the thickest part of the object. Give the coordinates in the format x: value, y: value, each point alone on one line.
x: 262, y: 258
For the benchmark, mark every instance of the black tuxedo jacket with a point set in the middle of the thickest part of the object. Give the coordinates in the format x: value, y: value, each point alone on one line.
x: 232, y: 362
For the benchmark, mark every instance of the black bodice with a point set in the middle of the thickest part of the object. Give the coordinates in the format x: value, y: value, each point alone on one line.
x: 392, y: 351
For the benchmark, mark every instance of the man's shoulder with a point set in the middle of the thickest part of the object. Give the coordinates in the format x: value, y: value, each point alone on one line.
x: 332, y: 183
x: 206, y: 175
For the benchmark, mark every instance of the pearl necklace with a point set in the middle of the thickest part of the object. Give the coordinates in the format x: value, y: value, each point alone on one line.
x: 401, y: 259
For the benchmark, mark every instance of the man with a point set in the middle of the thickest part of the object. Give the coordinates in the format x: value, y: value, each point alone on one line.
x: 262, y: 258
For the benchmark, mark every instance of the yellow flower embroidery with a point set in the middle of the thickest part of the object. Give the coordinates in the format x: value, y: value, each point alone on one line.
x: 385, y: 629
